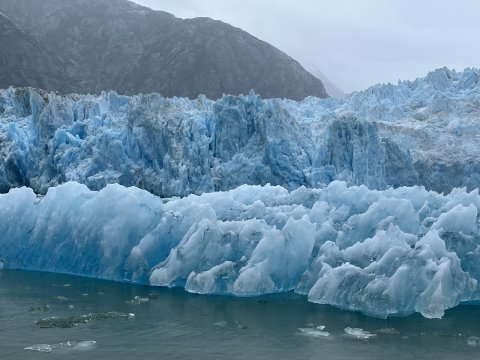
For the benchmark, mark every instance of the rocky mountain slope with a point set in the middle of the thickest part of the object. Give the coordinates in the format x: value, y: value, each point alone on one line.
x: 25, y: 61
x: 118, y: 45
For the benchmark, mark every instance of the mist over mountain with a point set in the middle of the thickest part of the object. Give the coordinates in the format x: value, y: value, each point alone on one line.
x: 119, y: 45
x: 332, y: 89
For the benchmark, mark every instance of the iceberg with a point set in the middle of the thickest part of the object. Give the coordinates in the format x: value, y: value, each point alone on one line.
x: 381, y: 252
x: 423, y: 132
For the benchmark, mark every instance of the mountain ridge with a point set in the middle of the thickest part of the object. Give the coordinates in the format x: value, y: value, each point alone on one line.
x: 122, y: 46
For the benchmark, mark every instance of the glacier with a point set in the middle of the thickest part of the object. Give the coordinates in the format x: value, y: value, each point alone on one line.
x: 424, y: 132
x: 368, y: 203
x: 381, y: 252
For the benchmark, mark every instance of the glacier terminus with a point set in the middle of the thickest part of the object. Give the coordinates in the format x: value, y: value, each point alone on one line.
x: 367, y: 203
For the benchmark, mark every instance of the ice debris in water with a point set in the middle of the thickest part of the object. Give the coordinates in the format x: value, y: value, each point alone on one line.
x: 473, y: 341
x: 358, y: 333
x: 69, y: 345
x: 391, y: 252
x: 221, y: 324
x: 40, y: 347
x: 138, y: 300
x: 314, y: 332
x: 71, y: 321
x: 83, y: 345
x: 40, y: 308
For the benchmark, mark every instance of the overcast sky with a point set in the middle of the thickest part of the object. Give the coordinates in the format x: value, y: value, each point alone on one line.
x: 355, y: 43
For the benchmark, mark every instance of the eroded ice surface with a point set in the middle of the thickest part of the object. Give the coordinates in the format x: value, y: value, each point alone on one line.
x: 423, y: 132
x: 396, y: 251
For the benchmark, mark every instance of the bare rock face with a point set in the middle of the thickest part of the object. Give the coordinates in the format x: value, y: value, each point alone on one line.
x: 26, y: 61
x: 119, y: 45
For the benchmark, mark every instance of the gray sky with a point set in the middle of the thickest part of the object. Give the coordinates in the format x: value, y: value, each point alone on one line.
x: 355, y: 43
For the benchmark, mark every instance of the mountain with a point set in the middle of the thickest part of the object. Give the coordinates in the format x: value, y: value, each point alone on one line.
x: 24, y: 61
x: 122, y: 46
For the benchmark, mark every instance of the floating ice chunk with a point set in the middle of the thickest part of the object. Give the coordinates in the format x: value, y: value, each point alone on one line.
x: 473, y: 340
x: 69, y: 345
x: 221, y: 324
x: 71, y: 321
x: 358, y: 333
x: 40, y: 348
x: 138, y: 300
x: 313, y: 332
x: 82, y: 345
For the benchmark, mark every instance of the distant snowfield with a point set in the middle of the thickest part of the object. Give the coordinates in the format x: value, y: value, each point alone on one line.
x: 343, y: 220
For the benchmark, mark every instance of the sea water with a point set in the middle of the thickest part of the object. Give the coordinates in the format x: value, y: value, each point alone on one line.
x: 51, y: 316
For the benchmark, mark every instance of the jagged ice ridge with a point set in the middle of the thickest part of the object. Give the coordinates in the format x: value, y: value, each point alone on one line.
x: 424, y: 132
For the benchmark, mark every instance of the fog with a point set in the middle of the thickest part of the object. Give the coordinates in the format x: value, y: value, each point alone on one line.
x: 354, y: 43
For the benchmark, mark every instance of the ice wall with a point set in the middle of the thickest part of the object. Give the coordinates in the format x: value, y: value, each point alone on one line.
x: 397, y: 251
x: 424, y: 132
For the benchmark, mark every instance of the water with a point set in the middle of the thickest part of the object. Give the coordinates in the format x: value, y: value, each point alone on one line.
x: 64, y: 317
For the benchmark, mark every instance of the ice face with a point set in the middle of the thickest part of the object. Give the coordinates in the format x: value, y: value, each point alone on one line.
x: 425, y: 132
x: 391, y: 252
x: 382, y: 252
